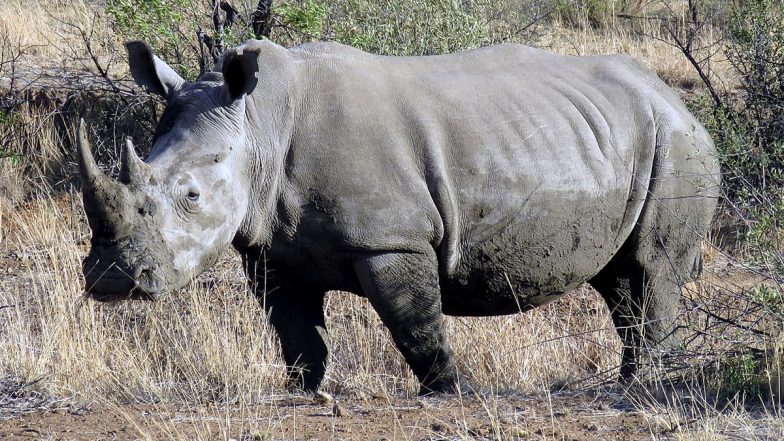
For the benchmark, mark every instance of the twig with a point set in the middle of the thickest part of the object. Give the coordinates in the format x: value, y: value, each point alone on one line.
x: 261, y: 19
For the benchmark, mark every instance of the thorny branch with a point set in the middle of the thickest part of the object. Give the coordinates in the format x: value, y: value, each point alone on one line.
x: 695, y: 24
x: 225, y: 16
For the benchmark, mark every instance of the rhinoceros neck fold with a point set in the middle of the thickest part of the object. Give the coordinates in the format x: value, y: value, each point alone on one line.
x: 270, y: 123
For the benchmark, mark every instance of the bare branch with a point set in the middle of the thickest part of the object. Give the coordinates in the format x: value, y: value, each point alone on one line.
x: 261, y: 19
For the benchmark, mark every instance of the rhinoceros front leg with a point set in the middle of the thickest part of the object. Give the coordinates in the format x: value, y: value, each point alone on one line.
x: 297, y: 315
x: 299, y: 322
x: 403, y: 288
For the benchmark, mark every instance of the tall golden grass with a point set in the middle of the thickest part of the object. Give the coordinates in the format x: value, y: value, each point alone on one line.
x: 211, y: 343
x: 43, y: 27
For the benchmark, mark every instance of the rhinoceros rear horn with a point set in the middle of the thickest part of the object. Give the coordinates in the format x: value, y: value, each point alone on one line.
x: 133, y: 170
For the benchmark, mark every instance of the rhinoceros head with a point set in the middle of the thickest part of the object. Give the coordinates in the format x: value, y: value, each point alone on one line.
x: 166, y: 220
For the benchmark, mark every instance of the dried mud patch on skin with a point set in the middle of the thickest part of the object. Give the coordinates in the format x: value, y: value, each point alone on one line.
x: 568, y: 416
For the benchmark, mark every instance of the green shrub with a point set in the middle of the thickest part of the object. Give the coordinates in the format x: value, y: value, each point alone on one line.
x: 740, y: 376
x: 306, y: 17
x: 756, y: 51
x: 407, y: 27
x: 748, y: 127
x: 8, y: 120
x: 404, y: 27
x: 169, y: 27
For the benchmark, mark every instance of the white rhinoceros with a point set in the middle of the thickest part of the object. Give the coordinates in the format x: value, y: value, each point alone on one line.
x: 480, y: 183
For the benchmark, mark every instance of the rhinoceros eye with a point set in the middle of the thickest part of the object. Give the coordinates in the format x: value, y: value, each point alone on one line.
x: 187, y: 196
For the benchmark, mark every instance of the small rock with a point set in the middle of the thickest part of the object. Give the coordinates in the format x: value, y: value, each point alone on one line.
x: 339, y: 411
x: 323, y: 398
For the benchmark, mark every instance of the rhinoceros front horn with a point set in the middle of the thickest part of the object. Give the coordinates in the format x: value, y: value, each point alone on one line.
x: 105, y: 201
x: 133, y: 170
x: 89, y: 172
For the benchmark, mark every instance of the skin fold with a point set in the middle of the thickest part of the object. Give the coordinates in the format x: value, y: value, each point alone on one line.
x: 479, y: 183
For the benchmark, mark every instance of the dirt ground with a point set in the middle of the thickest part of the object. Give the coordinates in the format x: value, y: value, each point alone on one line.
x: 561, y: 416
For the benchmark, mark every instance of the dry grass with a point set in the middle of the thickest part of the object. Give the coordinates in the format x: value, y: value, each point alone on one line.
x: 210, y: 343
x: 648, y: 42
x: 126, y: 351
x: 35, y: 145
x: 43, y: 26
x: 209, y: 349
x: 689, y: 416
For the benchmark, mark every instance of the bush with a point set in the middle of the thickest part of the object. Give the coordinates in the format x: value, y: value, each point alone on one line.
x: 756, y: 51
x: 411, y: 27
x: 165, y: 25
x: 594, y: 13
x: 407, y: 27
x: 748, y: 127
x: 404, y: 27
x: 306, y: 18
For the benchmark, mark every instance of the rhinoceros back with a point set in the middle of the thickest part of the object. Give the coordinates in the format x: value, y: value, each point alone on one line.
x: 527, y: 171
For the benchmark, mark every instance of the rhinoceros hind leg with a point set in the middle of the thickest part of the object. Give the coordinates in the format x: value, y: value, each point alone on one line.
x: 642, y: 287
x: 643, y: 310
x: 642, y: 284
x: 403, y: 288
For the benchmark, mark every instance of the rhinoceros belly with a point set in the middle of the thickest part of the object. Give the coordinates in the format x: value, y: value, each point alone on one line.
x: 515, y: 258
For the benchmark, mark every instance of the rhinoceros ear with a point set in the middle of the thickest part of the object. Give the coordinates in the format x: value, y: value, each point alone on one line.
x: 150, y: 71
x: 240, y: 66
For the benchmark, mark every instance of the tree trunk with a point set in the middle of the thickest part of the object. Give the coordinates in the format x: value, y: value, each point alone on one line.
x: 261, y: 19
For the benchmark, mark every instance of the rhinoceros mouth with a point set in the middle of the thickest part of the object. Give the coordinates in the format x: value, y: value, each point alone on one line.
x: 113, y: 297
x: 115, y: 286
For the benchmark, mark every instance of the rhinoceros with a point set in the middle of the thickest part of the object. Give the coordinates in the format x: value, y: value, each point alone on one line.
x: 479, y: 183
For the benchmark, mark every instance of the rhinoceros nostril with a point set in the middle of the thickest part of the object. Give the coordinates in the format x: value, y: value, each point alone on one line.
x: 141, y: 275
x: 145, y: 281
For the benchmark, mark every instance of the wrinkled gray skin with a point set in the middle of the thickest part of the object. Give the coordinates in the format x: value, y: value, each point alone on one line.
x: 481, y: 183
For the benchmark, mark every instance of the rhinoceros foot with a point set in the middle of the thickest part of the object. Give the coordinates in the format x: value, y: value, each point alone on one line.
x: 458, y: 385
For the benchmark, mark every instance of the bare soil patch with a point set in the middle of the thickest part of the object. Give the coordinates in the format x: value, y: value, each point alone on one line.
x: 562, y: 416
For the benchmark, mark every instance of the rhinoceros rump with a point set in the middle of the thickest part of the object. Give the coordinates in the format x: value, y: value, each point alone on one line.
x: 480, y: 183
